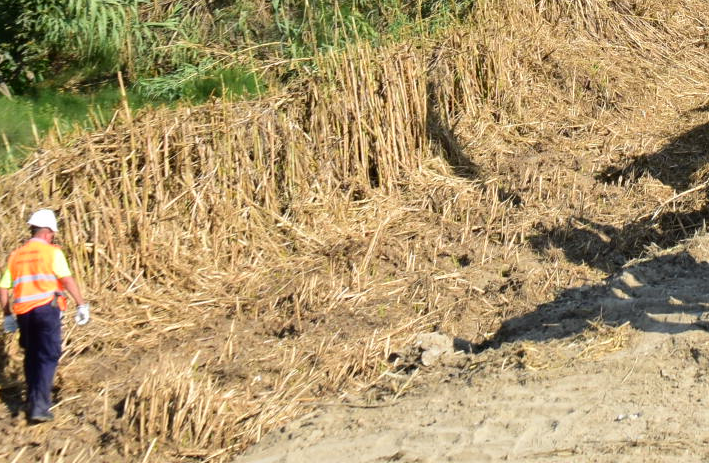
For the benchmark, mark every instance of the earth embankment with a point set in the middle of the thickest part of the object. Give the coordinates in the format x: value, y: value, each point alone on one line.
x: 610, y: 372
x: 250, y: 260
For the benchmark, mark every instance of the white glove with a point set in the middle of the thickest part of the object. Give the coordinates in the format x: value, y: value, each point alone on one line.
x: 10, y: 324
x: 82, y: 314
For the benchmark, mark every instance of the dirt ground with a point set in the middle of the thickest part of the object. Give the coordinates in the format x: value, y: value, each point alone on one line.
x: 611, y: 372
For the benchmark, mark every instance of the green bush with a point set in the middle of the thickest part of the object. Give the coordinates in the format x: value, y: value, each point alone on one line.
x: 104, y: 35
x: 201, y: 82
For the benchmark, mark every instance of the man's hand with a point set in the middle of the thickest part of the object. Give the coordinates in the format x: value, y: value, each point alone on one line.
x: 82, y: 314
x: 10, y: 324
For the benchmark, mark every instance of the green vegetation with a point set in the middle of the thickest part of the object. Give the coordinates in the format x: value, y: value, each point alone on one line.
x: 147, y: 39
x: 26, y: 117
x: 59, y: 58
x: 198, y: 83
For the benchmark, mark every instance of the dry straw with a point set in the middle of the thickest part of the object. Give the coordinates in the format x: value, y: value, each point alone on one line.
x: 296, y: 241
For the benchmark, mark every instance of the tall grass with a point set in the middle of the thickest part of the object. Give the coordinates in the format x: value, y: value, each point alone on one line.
x: 92, y: 30
x: 153, y: 39
x: 177, y: 50
x: 308, y: 27
x: 139, y: 35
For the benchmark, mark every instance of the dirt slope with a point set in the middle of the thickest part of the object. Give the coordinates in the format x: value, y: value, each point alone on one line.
x: 249, y: 260
x: 643, y: 399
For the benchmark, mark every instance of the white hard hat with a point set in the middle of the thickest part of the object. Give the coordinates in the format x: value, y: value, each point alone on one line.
x: 44, y: 218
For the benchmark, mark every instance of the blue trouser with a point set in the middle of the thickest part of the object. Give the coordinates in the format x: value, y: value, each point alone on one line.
x: 41, y: 338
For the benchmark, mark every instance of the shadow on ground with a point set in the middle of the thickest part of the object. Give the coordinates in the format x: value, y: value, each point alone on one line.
x: 608, y: 248
x: 442, y: 135
x: 11, y: 385
x: 681, y: 164
x: 677, y: 164
x: 662, y: 294
x: 665, y: 294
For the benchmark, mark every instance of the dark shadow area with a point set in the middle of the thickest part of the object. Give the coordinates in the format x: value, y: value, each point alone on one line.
x: 463, y: 345
x: 678, y: 164
x: 607, y: 248
x: 11, y: 385
x: 663, y: 295
x: 443, y: 135
x: 674, y: 165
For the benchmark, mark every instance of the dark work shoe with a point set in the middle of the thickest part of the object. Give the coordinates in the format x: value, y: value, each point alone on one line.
x: 41, y: 418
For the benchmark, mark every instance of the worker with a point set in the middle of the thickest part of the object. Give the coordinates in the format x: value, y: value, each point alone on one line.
x: 38, y: 274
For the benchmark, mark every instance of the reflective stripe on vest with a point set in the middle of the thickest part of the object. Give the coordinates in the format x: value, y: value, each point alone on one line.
x: 33, y: 281
x: 36, y: 297
x: 27, y: 278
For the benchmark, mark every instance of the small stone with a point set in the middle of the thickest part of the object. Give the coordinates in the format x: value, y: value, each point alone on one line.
x: 428, y: 341
x: 433, y: 346
x: 429, y: 357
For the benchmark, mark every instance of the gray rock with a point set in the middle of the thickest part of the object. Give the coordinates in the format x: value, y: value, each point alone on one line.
x: 433, y: 346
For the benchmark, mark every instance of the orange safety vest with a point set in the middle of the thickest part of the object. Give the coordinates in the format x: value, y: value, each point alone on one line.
x: 33, y: 281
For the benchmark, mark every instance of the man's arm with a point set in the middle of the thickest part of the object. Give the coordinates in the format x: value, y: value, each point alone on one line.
x: 71, y: 287
x: 5, y: 301
x: 61, y: 270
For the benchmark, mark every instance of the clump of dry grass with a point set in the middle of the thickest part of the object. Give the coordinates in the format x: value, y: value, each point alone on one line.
x: 171, y: 404
x: 598, y: 340
x: 593, y: 343
x: 295, y: 241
